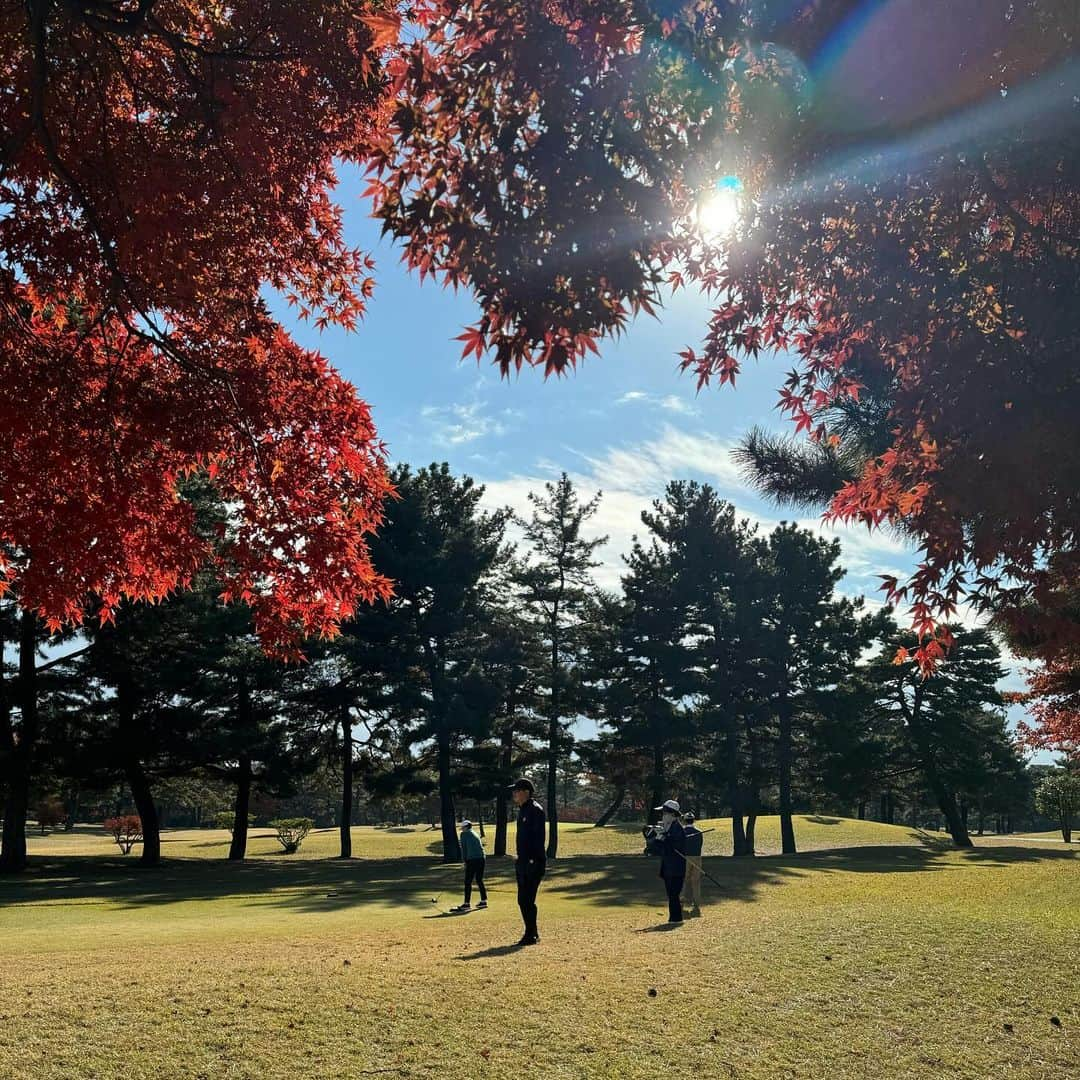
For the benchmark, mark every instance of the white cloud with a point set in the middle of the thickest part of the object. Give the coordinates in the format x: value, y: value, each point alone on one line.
x: 453, y: 425
x: 632, y: 476
x: 669, y: 403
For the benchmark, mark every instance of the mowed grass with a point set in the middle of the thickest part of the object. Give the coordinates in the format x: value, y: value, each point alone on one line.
x: 876, y: 952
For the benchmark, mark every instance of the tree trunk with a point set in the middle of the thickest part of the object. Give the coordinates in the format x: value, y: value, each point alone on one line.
x: 147, y: 811
x: 950, y: 810
x: 784, y: 756
x: 553, y: 738
x: 502, y: 810
x: 480, y: 817
x: 659, y: 784
x: 862, y: 810
x: 451, y: 844
x: 238, y: 847
x: 552, y: 790
x: 751, y: 802
x: 502, y: 799
x: 612, y: 809
x: 16, y: 805
x: 946, y: 801
x: 1066, y: 828
x: 20, y: 753
x: 738, y: 833
x: 946, y: 798
x: 345, y: 822
x: 751, y: 828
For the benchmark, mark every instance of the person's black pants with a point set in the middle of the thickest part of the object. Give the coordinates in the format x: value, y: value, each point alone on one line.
x: 529, y: 876
x: 673, y: 886
x: 474, y: 871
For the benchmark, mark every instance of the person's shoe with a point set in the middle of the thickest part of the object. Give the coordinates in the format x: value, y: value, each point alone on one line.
x: 461, y: 909
x: 530, y: 939
x: 482, y: 904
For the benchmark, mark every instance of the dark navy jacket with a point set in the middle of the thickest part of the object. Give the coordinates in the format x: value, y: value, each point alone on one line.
x: 531, y: 842
x: 673, y: 848
x: 695, y: 840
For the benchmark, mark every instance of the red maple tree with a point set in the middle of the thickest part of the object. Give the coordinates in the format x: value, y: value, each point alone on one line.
x: 551, y: 157
x: 162, y: 161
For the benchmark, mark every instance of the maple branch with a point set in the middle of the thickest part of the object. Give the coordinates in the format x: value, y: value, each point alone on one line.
x: 104, y: 16
x: 1000, y: 198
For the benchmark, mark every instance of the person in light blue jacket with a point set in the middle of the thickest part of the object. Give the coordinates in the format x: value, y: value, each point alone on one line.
x: 472, y: 851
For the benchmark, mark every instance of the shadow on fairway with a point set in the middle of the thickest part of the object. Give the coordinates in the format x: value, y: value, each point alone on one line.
x: 495, y: 950
x: 324, y: 885
x: 629, y: 879
x: 660, y: 928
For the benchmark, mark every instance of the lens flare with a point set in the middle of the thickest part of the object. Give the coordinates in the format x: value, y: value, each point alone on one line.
x: 719, y: 209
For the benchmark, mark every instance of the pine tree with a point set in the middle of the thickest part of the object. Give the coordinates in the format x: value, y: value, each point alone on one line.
x: 555, y: 584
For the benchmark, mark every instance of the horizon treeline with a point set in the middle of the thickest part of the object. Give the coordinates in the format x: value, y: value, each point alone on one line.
x: 727, y: 670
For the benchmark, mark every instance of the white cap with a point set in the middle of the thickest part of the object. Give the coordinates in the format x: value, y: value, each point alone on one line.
x: 670, y: 805
x: 466, y: 824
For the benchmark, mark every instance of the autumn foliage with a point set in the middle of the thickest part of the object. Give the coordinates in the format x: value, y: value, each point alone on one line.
x: 154, y: 178
x: 125, y: 829
x: 910, y: 213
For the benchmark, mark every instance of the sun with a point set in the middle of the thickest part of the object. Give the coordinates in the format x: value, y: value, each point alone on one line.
x: 719, y: 209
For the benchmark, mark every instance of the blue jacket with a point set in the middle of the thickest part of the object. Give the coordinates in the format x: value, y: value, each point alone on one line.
x: 471, y: 847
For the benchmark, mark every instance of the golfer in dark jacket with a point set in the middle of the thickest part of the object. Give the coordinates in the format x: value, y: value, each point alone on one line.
x: 671, y: 840
x: 531, y: 855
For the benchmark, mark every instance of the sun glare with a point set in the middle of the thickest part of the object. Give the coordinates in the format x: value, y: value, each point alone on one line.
x: 719, y: 209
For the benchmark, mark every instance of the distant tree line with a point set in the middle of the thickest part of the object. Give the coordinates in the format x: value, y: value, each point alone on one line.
x: 727, y: 671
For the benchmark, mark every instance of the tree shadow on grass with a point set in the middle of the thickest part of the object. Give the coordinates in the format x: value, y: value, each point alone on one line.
x: 323, y: 885
x: 628, y: 880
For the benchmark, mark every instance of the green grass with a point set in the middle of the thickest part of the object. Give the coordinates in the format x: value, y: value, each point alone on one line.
x: 875, y: 952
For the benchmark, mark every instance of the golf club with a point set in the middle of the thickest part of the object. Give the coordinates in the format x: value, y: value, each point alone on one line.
x: 704, y: 873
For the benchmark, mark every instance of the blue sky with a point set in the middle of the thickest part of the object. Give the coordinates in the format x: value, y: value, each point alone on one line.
x: 624, y: 423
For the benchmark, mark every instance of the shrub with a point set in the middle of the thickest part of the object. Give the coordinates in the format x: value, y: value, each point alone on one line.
x: 50, y: 813
x: 224, y: 819
x: 291, y: 832
x: 126, y: 831
x: 1058, y: 797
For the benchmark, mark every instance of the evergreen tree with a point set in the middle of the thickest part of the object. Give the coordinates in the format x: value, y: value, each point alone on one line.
x: 941, y: 715
x: 555, y: 584
x: 442, y: 553
x: 645, y: 666
x: 811, y: 639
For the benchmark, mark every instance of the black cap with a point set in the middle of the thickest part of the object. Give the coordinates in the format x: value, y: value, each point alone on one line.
x: 523, y: 784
